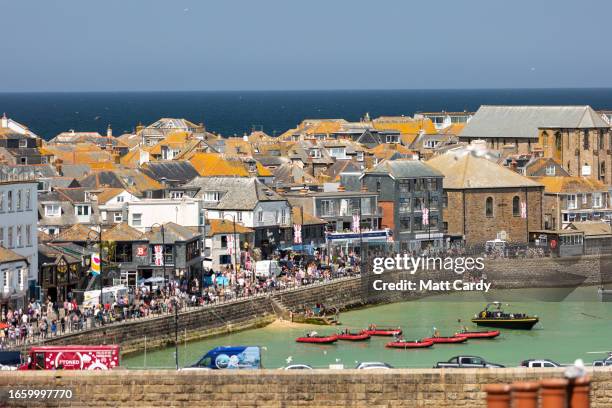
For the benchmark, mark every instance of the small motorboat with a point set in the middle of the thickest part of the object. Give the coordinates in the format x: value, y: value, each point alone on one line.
x: 482, y: 334
x: 442, y: 340
x: 384, y: 331
x: 317, y: 339
x: 352, y: 336
x: 403, y: 344
x: 498, y: 318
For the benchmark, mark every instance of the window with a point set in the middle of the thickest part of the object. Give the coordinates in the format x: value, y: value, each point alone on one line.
x: 239, y: 216
x: 28, y: 235
x: 1, y: 201
x: 1, y: 236
x: 404, y: 205
x: 10, y: 201
x: 585, y: 199
x: 211, y: 196
x: 117, y: 217
x: 19, y: 236
x: 489, y: 207
x: 20, y: 278
x: 597, y: 201
x: 550, y: 170
x: 283, y: 216
x: 120, y: 199
x: 445, y: 199
x: 418, y: 223
x: 81, y: 210
x: 260, y: 216
x: 10, y: 237
x: 378, y: 186
x: 28, y: 199
x: 516, y: 206
x: 52, y: 210
x: 225, y: 259
x: 5, y: 281
x: 405, y: 223
x: 327, y: 208
x: 585, y: 140
x: 600, y: 140
x: 223, y: 241
x: 175, y: 195
x: 18, y: 200
x: 137, y: 220
x: 572, y: 203
x: 314, y: 153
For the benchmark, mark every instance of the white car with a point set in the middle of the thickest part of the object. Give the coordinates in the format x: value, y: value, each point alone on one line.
x: 535, y: 363
x: 298, y: 367
x: 373, y: 365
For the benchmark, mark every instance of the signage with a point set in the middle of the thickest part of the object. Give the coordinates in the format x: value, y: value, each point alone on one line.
x: 142, y: 250
x: 425, y: 216
x: 297, y: 234
x: 95, y: 263
x: 356, y: 223
x: 159, y: 255
x: 523, y: 209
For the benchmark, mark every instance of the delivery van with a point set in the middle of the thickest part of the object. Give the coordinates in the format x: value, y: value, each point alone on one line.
x: 229, y: 358
x: 72, y: 358
x: 267, y: 269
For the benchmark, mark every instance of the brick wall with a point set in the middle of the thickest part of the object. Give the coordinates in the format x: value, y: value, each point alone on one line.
x: 274, y: 388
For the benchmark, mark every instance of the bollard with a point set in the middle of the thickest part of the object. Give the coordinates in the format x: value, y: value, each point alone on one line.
x: 554, y: 393
x: 579, y: 392
x: 525, y: 394
x: 498, y: 395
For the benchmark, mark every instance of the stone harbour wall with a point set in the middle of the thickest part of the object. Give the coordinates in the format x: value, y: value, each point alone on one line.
x: 274, y: 388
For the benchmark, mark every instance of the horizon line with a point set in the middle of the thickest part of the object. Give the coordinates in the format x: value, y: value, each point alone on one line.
x: 305, y: 90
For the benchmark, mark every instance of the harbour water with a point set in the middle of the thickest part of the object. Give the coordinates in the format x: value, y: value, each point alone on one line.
x: 571, y: 329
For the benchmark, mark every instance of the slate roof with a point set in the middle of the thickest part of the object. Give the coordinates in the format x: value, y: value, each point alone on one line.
x: 591, y: 228
x: 292, y: 173
x: 76, y: 233
x: 516, y: 122
x: 237, y: 193
x: 570, y: 184
x: 309, y: 219
x: 178, y: 171
x: 403, y: 168
x: 122, y: 232
x: 466, y: 170
x: 6, y: 255
x: 172, y: 233
x: 28, y: 171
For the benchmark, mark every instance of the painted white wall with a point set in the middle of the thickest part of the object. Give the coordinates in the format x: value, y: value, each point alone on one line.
x: 185, y: 211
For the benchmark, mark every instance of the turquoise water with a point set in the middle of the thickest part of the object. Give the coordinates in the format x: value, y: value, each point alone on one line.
x: 567, y: 330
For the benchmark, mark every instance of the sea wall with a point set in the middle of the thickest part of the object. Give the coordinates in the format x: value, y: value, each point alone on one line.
x: 342, y: 293
x: 274, y: 388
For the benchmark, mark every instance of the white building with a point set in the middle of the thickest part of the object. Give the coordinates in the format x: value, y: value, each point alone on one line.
x: 13, y: 279
x: 145, y: 213
x: 18, y: 222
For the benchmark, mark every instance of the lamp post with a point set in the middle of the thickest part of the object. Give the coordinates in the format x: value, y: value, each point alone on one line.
x: 161, y: 226
x: 235, y: 239
x: 176, y: 357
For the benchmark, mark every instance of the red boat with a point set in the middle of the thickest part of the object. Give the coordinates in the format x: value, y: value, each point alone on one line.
x: 485, y: 334
x: 362, y: 335
x: 410, y: 344
x: 384, y: 331
x: 453, y: 339
x: 317, y: 339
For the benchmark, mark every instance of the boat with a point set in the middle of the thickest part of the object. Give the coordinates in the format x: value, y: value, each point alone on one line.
x: 442, y: 339
x: 498, y: 318
x: 384, y: 331
x: 403, y: 344
x: 352, y: 336
x: 317, y: 339
x: 482, y: 334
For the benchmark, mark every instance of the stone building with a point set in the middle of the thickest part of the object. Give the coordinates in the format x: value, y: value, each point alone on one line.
x: 484, y: 201
x: 575, y: 136
x: 410, y: 194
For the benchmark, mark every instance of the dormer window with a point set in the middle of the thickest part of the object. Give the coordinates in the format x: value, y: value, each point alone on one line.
x: 53, y: 210
x: 315, y: 153
x: 252, y: 167
x: 82, y: 210
x: 359, y: 156
x: 392, y: 139
x: 550, y: 170
x: 23, y: 143
x: 212, y: 196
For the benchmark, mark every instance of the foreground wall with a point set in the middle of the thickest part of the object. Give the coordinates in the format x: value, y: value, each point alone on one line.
x: 274, y: 388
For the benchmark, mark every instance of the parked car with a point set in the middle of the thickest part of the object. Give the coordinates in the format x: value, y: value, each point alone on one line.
x: 535, y: 363
x: 229, y: 357
x: 298, y: 367
x: 373, y: 365
x: 602, y: 363
x: 467, y: 362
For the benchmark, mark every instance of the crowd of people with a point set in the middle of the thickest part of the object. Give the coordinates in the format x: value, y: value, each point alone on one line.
x: 41, y: 320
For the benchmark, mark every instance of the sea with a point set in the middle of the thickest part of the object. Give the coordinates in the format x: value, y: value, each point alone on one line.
x: 235, y: 112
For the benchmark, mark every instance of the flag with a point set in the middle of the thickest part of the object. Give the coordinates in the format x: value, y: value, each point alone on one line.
x: 523, y: 210
x: 356, y: 223
x: 95, y: 263
x: 425, y: 216
x: 230, y: 244
x: 159, y: 255
x: 297, y: 234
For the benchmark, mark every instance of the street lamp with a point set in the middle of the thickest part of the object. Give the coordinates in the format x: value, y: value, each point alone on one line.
x: 176, y: 358
x: 161, y: 226
x: 235, y: 240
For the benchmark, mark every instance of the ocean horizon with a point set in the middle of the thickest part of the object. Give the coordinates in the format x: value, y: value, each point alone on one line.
x: 235, y: 112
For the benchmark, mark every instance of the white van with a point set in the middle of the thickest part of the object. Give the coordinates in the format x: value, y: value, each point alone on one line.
x: 267, y: 269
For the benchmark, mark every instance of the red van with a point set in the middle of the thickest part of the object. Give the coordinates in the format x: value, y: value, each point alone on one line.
x: 72, y: 358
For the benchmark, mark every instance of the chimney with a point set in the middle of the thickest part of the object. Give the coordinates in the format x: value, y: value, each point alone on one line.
x: 109, y: 131
x: 4, y: 121
x: 139, y: 127
x: 245, y: 137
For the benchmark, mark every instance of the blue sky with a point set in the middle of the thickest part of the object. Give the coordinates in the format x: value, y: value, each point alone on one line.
x: 78, y: 45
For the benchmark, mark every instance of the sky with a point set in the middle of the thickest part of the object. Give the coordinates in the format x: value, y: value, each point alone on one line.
x: 147, y: 45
